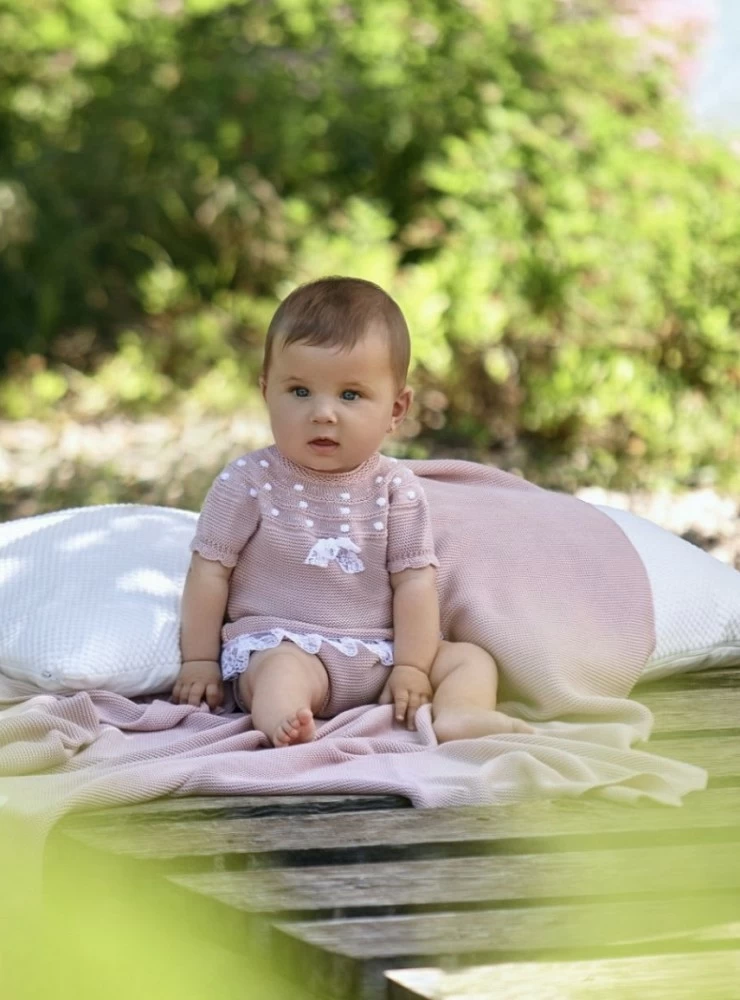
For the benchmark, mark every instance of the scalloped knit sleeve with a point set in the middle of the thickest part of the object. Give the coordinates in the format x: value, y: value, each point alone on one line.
x: 410, y: 536
x: 228, y: 518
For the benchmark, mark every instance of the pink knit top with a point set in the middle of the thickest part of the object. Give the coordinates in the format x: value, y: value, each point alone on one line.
x: 313, y: 552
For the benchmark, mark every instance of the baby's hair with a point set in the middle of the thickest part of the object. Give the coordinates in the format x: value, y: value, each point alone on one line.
x: 338, y: 312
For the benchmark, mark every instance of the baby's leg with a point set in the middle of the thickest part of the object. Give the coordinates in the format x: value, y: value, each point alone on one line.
x: 465, y: 683
x: 283, y: 688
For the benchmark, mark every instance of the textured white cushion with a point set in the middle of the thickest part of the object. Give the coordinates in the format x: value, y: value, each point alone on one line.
x: 696, y: 599
x: 90, y: 597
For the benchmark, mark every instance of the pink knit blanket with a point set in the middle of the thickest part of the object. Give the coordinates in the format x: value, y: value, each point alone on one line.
x: 549, y: 585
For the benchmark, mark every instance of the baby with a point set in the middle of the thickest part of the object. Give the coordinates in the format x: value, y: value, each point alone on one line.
x: 318, y: 552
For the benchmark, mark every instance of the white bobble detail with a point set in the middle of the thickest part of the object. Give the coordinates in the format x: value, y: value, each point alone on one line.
x: 302, y: 504
x: 298, y: 487
x: 411, y: 494
x: 309, y: 522
x: 397, y: 480
x: 344, y: 496
x: 344, y: 527
x: 392, y: 459
x: 378, y: 526
x: 253, y: 492
x: 378, y: 479
x: 380, y: 501
x: 267, y: 487
x: 224, y: 475
x: 264, y: 463
x: 344, y: 510
x: 240, y: 461
x: 274, y: 512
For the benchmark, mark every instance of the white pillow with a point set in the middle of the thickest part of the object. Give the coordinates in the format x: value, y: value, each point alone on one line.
x: 696, y: 600
x: 90, y: 598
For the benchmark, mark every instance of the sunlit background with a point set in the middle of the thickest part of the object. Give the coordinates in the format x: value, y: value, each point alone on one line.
x: 550, y: 188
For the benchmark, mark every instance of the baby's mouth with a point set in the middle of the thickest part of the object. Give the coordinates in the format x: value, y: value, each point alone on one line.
x: 323, y: 444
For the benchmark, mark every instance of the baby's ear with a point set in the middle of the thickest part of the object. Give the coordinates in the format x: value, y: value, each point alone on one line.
x: 401, y: 406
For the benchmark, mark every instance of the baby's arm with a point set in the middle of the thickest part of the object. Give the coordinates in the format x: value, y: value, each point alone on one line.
x: 416, y: 640
x: 228, y: 520
x: 203, y: 607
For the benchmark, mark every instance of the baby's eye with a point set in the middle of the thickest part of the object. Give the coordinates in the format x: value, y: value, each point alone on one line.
x: 350, y: 394
x: 300, y: 391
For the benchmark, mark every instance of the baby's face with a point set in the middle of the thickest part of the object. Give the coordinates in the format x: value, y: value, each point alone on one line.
x: 331, y: 409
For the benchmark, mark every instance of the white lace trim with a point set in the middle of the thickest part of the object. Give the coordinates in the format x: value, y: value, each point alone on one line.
x: 235, y: 654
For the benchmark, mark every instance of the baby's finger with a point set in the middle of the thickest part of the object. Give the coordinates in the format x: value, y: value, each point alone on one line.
x: 175, y: 696
x: 402, y: 703
x: 414, y: 702
x: 195, y: 695
x: 214, y: 695
x: 182, y: 694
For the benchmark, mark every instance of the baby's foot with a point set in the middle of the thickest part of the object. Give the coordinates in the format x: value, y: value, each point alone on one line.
x: 468, y: 724
x: 298, y: 728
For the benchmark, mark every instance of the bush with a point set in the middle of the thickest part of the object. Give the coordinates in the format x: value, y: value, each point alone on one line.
x: 518, y: 174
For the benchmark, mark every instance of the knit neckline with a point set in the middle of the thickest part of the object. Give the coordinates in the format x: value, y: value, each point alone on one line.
x: 328, y: 479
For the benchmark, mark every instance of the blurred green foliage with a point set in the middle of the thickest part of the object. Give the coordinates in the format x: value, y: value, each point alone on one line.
x: 75, y: 925
x: 518, y: 174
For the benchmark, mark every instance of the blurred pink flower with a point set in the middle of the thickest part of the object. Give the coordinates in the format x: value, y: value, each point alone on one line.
x: 647, y: 138
x: 674, y: 29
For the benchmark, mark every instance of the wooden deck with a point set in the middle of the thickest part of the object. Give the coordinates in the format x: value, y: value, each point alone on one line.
x: 354, y: 897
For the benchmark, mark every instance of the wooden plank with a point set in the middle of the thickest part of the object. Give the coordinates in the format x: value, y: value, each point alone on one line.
x: 719, y: 677
x: 634, y: 926
x: 186, y: 809
x: 448, y: 882
x: 717, y: 754
x: 453, y: 828
x: 697, y: 710
x: 709, y: 975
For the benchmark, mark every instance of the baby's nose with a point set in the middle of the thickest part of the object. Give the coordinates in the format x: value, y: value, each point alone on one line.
x: 324, y: 412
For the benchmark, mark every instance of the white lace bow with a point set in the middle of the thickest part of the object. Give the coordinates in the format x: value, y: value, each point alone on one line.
x: 343, y: 551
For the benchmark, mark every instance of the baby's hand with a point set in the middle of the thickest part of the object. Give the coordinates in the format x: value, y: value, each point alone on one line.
x: 199, y: 680
x: 408, y: 688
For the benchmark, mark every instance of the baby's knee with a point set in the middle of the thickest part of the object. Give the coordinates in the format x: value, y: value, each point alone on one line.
x: 454, y: 655
x: 462, y: 652
x: 283, y: 665
x: 284, y: 656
